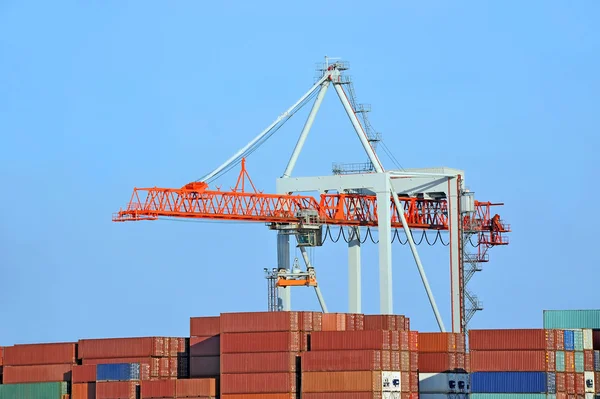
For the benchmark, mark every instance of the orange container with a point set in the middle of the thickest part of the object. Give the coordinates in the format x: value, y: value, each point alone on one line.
x: 570, y: 362
x: 274, y: 362
x: 258, y: 383
x: 158, y: 389
x: 260, y: 396
x: 196, y: 387
x: 259, y: 322
x: 83, y: 390
x: 43, y: 373
x: 116, y: 390
x: 341, y: 381
x: 438, y: 342
x: 261, y: 342
x: 333, y: 322
x: 344, y: 360
x: 508, y: 361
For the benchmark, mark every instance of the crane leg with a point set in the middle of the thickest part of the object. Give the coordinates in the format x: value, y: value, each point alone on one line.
x: 385, y: 254
x: 283, y: 262
x: 354, y: 271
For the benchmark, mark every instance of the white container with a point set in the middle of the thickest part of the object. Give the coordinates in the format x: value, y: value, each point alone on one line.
x: 443, y: 383
x: 390, y: 381
x: 394, y: 395
x: 588, y: 340
x: 590, y: 385
x: 590, y: 396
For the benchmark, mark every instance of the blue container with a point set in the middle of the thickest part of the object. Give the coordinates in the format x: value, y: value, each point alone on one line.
x: 509, y: 382
x: 118, y: 372
x: 569, y: 340
x: 597, y: 361
x: 551, y: 382
x: 560, y: 319
x: 578, y: 340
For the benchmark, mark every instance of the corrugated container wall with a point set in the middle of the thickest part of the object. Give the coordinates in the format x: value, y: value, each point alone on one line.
x: 202, y: 387
x: 85, y: 390
x: 121, y: 347
x: 508, y: 360
x: 572, y: 319
x: 44, y: 373
x: 158, y: 389
x: 349, y: 340
x: 36, y: 354
x: 261, y: 342
x: 259, y: 322
x: 48, y: 390
x: 117, y: 390
x: 519, y: 339
x: 347, y: 360
x: 205, y: 346
x: 258, y: 383
x: 205, y: 326
x: 508, y: 396
x: 344, y: 381
x: 243, y: 363
x: 508, y: 382
x: 84, y: 373
x: 118, y: 372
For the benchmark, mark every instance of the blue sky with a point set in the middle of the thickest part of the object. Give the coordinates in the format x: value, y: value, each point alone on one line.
x: 99, y: 97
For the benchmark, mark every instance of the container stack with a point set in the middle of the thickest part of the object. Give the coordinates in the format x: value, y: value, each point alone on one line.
x: 376, y: 359
x: 39, y: 363
x: 514, y: 363
x: 442, y: 366
x: 578, y: 358
x: 259, y: 353
x: 205, y: 346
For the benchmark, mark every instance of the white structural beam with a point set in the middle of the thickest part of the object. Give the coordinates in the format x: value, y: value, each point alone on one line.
x: 354, y: 271
x: 455, y: 277
x: 283, y: 262
x: 384, y: 217
x: 306, y: 129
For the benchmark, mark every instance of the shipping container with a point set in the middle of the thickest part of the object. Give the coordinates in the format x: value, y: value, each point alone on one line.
x: 361, y: 395
x: 205, y: 326
x: 207, y: 366
x: 263, y: 396
x: 38, y: 354
x: 43, y: 373
x: 443, y: 382
x: 414, y: 361
x: 580, y: 383
x: 570, y: 362
x: 86, y: 390
x: 149, y: 366
x: 344, y: 360
x: 559, y: 337
x: 333, y: 322
x: 570, y: 383
x: 579, y: 362
x: 117, y: 390
x: 350, y: 340
x: 121, y: 347
x: 596, y: 339
x: 439, y: 342
x: 516, y: 360
x: 597, y: 360
x: 551, y: 382
x: 118, y: 372
x: 158, y: 389
x: 560, y: 382
x: 560, y: 361
x: 205, y: 346
x: 382, y: 322
x: 572, y: 319
x: 590, y: 382
x: 262, y: 342
x: 516, y: 339
x: 305, y: 321
x: 578, y: 340
x: 317, y: 321
x: 569, y: 340
x: 258, y: 383
x: 259, y: 322
x: 1, y: 356
x: 350, y: 381
x: 508, y: 396
x: 588, y: 360
x: 83, y: 373
x: 197, y: 387
x: 46, y: 390
x: 551, y: 361
x: 509, y: 382
x: 244, y: 363
x: 437, y: 362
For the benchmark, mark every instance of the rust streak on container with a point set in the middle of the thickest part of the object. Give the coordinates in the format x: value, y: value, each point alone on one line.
x: 205, y: 346
x: 38, y: 373
x: 84, y: 373
x: 83, y: 390
x: 116, y: 390
x: 244, y: 363
x: 517, y: 339
x: 341, y: 381
x: 121, y: 347
x: 205, y: 326
x: 261, y: 342
x: 197, y: 387
x: 342, y: 360
x: 259, y: 322
x: 350, y: 340
x: 36, y: 354
x: 258, y: 383
x: 508, y: 360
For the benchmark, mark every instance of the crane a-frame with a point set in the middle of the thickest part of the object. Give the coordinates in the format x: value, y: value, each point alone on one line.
x: 415, y: 199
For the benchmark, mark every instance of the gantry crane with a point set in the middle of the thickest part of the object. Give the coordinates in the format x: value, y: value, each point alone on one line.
x: 431, y: 199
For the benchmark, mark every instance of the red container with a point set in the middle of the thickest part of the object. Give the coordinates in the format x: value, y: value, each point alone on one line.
x: 354, y: 322
x: 413, y: 340
x: 258, y: 383
x: 199, y: 387
x: 149, y: 367
x: 260, y: 396
x: 83, y: 391
x: 560, y: 382
x: 550, y: 340
x: 205, y: 346
x: 116, y: 390
x: 580, y: 384
x: 85, y: 373
x: 394, y: 364
x: 588, y: 361
x: 343, y: 395
x: 596, y: 339
x: 570, y: 362
x: 414, y: 361
x: 414, y: 381
x: 35, y: 354
x: 570, y: 383
x: 341, y: 381
x: 551, y: 361
x: 305, y: 321
x: 350, y: 340
x: 207, y: 366
x: 403, y: 340
x: 175, y: 346
x: 343, y: 360
x: 38, y: 373
x: 405, y: 361
x: 261, y: 342
x: 158, y: 389
x: 1, y: 356
x: 244, y: 363
x: 121, y: 347
x: 333, y: 322
x: 205, y: 326
x: 259, y: 322
x: 382, y: 322
x: 531, y: 339
x: 405, y: 382
x: 437, y: 362
x: 508, y: 361
x: 317, y: 321
x: 559, y: 340
x: 441, y: 342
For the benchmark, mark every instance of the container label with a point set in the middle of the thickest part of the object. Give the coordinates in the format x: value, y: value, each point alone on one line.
x: 390, y: 381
